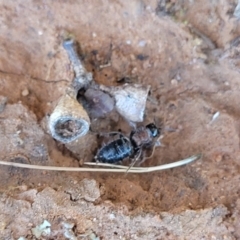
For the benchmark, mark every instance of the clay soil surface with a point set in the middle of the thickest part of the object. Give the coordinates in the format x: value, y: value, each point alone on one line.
x: 188, y: 51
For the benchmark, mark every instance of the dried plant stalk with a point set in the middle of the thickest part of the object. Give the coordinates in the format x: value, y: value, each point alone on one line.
x: 120, y: 169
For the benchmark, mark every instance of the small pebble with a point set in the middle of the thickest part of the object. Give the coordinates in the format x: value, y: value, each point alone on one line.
x: 142, y: 57
x: 213, y: 237
x: 111, y: 216
x: 23, y: 187
x: 93, y: 236
x: 134, y: 70
x: 178, y: 77
x: 146, y: 64
x: 231, y: 229
x: 174, y: 82
x: 218, y: 157
x: 142, y: 43
x: 3, y: 102
x: 132, y: 57
x: 148, y: 8
x: 68, y: 224
x: 25, y: 92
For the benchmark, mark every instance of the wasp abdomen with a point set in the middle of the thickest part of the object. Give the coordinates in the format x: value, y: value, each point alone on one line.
x: 115, y: 151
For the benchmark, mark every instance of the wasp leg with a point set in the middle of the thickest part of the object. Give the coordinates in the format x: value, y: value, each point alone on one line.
x: 134, y: 160
x: 156, y: 144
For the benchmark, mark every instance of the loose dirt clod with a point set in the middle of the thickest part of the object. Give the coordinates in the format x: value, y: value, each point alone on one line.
x: 87, y: 189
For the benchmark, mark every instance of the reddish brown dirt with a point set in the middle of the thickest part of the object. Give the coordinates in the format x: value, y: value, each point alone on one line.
x: 188, y: 53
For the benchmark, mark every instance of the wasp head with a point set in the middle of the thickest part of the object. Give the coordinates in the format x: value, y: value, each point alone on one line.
x: 153, y: 129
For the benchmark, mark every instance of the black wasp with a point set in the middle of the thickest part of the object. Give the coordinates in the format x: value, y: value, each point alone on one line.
x: 128, y: 147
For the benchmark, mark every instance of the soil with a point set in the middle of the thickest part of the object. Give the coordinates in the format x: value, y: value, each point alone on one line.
x: 188, y: 51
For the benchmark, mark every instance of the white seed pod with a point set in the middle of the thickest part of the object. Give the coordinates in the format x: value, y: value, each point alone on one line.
x: 69, y: 120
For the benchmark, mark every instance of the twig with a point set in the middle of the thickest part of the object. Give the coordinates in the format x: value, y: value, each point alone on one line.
x: 120, y: 168
x: 70, y: 47
x: 82, y: 77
